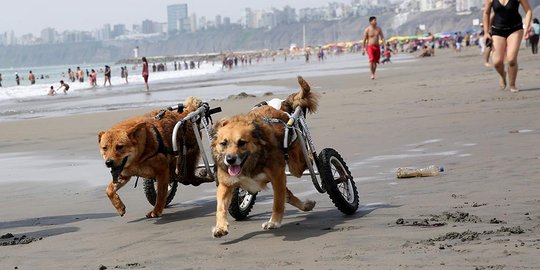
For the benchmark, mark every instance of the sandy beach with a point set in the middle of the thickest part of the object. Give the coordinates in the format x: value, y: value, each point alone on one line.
x: 483, y: 212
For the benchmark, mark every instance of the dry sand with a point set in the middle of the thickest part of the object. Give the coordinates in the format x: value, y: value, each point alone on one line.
x: 482, y: 213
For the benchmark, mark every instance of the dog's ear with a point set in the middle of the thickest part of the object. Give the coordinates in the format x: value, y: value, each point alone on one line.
x: 221, y: 123
x: 99, y: 136
x: 134, y: 131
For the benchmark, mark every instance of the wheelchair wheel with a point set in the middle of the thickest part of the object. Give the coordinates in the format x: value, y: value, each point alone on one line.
x: 150, y: 186
x: 338, y: 181
x: 241, y: 203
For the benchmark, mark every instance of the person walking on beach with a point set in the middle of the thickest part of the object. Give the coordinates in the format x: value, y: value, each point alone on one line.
x: 31, y: 77
x: 17, y: 78
x: 145, y: 73
x: 107, y: 75
x: 371, y: 45
x: 506, y: 33
x: 535, y: 33
x: 65, y: 85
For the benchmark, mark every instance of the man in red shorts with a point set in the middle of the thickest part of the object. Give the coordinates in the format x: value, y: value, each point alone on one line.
x: 371, y: 44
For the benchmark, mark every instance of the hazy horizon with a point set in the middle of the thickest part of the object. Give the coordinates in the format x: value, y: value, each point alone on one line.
x: 33, y: 16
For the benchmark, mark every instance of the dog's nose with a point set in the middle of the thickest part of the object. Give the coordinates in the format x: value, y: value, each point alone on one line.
x: 109, y: 163
x: 230, y: 160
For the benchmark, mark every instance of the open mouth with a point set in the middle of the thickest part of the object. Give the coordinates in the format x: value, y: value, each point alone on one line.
x: 236, y: 170
x: 115, y: 171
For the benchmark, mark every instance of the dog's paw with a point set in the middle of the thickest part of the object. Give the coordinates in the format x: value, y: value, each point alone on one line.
x: 308, y: 205
x: 219, y: 232
x: 121, y: 211
x: 153, y: 214
x: 271, y: 225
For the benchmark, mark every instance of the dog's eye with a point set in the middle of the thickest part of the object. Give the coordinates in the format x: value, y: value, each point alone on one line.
x: 119, y: 147
x: 223, y: 143
x: 104, y: 148
x: 241, y: 143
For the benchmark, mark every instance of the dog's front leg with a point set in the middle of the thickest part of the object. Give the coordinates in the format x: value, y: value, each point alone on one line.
x: 111, y: 190
x: 162, y: 186
x: 224, y: 197
x: 279, y: 185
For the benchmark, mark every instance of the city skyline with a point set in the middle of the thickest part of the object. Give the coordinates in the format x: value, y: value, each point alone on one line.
x: 181, y: 19
x: 62, y: 15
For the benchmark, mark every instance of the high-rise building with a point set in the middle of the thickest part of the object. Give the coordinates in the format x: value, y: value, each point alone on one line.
x: 218, y: 21
x: 106, y: 32
x: 118, y: 30
x: 177, y: 18
x: 467, y: 5
x: 194, y: 25
x: 48, y: 35
x: 148, y: 27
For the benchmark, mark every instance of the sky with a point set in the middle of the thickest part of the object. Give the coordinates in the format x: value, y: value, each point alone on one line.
x: 31, y: 16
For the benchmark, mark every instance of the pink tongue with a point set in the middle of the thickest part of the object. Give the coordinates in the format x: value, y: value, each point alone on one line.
x: 234, y: 170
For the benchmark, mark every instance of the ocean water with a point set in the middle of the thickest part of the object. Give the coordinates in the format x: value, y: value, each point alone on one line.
x: 166, y: 88
x: 53, y: 74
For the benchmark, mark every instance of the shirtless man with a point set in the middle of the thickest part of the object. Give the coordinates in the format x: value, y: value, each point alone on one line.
x: 31, y: 77
x: 372, y: 35
x: 80, y: 75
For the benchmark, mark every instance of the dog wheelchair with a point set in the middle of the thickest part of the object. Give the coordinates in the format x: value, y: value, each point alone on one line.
x: 200, y: 119
x: 329, y: 172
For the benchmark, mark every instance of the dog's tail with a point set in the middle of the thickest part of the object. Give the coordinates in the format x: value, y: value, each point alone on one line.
x: 192, y: 104
x: 304, y: 98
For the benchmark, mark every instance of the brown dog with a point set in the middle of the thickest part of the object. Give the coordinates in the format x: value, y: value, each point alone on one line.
x: 249, y: 153
x: 142, y: 146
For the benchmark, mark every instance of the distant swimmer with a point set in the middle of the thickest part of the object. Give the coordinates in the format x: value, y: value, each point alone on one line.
x: 126, y: 73
x: 17, y: 78
x: 145, y: 73
x: 0, y: 79
x: 93, y: 78
x: 51, y: 91
x: 372, y: 35
x: 71, y: 76
x: 65, y: 86
x: 107, y: 75
x: 31, y: 77
x: 80, y: 75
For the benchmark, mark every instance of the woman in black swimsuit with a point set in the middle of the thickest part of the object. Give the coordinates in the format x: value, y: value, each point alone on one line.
x: 506, y: 33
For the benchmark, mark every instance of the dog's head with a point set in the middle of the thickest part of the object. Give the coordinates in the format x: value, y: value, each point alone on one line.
x: 237, y: 144
x: 119, y: 148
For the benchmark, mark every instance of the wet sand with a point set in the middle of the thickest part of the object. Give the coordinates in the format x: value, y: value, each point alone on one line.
x: 481, y: 213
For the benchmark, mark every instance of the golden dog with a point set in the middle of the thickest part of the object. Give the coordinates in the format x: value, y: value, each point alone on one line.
x: 249, y: 153
x: 142, y: 146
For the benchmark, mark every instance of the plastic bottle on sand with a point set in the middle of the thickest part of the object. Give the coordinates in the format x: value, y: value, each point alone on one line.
x: 432, y: 170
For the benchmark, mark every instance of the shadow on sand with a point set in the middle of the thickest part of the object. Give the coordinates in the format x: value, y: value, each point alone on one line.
x: 529, y: 89
x: 184, y: 211
x: 53, y: 220
x: 314, y: 224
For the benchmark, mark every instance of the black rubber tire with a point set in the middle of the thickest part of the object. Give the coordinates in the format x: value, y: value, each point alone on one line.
x: 151, y: 194
x: 331, y: 164
x: 239, y: 209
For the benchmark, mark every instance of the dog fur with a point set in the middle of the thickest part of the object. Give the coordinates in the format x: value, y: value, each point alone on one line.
x: 248, y: 152
x: 135, y: 144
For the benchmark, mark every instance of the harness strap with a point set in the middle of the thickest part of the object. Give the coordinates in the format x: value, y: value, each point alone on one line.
x: 161, y: 146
